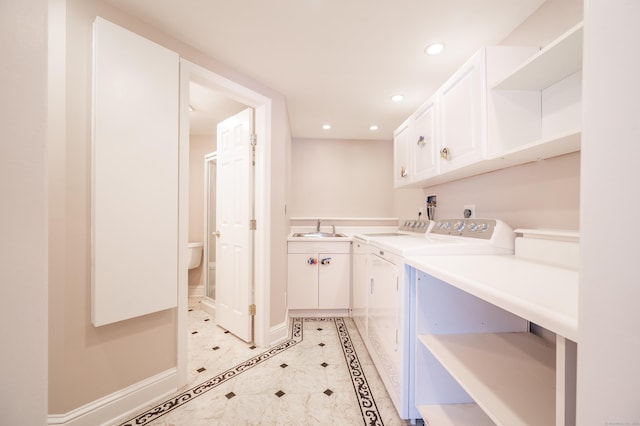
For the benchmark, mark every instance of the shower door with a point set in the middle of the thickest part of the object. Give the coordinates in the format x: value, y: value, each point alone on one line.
x: 210, y: 163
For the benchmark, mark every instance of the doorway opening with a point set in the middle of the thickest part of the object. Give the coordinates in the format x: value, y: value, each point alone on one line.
x: 192, y: 75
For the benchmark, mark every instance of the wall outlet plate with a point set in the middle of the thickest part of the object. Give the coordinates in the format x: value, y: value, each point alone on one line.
x: 469, y: 211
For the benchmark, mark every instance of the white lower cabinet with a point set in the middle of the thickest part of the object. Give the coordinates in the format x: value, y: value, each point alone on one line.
x: 319, y: 275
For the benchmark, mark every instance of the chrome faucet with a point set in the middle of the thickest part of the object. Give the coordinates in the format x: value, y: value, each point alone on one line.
x: 318, y: 226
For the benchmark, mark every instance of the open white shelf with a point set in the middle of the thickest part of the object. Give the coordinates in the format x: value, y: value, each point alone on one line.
x: 454, y: 415
x: 511, y: 376
x: 553, y: 63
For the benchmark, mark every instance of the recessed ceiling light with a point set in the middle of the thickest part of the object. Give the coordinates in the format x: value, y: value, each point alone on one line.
x: 434, y: 49
x: 373, y: 128
x: 397, y: 98
x: 326, y: 126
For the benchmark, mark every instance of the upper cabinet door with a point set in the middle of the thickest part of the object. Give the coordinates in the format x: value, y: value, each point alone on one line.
x: 424, y: 142
x: 463, y: 134
x: 401, y: 156
x: 134, y: 213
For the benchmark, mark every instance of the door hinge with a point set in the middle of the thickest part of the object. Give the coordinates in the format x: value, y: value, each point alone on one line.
x: 252, y: 309
x: 254, y: 141
x: 252, y: 225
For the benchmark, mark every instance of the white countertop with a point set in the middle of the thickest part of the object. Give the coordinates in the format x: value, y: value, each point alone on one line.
x: 543, y: 294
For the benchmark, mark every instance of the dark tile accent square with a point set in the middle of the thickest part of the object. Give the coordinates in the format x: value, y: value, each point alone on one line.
x: 324, y: 364
x: 227, y: 332
x: 215, y: 348
x: 201, y: 369
x: 252, y: 347
x: 230, y: 395
x: 207, y: 319
x: 283, y: 365
x: 279, y: 394
x: 319, y: 329
x: 194, y: 332
x: 190, y: 310
x: 328, y: 392
x: 320, y: 344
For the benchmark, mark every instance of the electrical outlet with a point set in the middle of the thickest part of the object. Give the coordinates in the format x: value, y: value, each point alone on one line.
x: 469, y: 211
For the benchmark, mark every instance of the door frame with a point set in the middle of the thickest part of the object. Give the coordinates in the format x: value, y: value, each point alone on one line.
x: 263, y: 118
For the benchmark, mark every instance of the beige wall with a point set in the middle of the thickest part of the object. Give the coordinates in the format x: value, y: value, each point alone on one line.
x: 23, y: 215
x: 87, y: 363
x: 341, y: 178
x: 543, y: 194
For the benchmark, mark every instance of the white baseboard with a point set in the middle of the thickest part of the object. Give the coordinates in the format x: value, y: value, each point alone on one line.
x: 196, y: 291
x: 121, y: 404
x: 279, y: 333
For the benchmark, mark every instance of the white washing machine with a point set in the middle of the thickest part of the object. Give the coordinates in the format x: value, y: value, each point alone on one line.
x: 387, y: 325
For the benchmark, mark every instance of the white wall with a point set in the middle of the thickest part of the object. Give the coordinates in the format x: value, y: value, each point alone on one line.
x: 609, y: 345
x: 23, y: 216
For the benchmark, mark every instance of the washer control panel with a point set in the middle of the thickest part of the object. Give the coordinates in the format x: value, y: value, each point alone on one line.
x: 417, y: 226
x: 471, y: 228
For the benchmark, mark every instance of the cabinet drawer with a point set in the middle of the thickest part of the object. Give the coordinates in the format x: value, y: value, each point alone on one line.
x: 319, y: 247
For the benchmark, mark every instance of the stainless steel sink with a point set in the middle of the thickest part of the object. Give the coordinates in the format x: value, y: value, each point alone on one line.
x: 317, y: 235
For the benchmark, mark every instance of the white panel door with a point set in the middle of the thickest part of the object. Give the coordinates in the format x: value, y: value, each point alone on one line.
x: 134, y: 190
x: 234, y: 211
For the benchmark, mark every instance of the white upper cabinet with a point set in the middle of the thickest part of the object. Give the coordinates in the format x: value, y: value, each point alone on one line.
x: 505, y: 106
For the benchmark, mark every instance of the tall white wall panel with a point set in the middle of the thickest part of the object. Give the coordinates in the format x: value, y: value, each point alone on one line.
x: 134, y: 175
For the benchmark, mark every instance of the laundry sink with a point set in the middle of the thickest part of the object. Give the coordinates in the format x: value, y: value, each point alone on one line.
x: 317, y: 235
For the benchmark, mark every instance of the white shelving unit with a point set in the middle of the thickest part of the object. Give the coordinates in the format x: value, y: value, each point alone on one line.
x: 475, y: 364
x: 553, y: 63
x: 548, y: 86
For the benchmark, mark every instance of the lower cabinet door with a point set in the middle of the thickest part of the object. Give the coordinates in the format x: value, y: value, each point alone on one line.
x: 303, y: 281
x: 383, y: 322
x: 333, y: 281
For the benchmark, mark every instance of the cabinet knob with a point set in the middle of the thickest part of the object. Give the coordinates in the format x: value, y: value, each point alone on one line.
x: 217, y: 234
x: 312, y: 261
x: 326, y: 261
x: 403, y: 171
x: 421, y: 141
x: 445, y: 153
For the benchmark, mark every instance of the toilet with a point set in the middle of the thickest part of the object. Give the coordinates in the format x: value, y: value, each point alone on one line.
x: 195, y: 254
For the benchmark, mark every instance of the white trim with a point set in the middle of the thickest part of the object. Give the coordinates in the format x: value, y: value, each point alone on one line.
x: 279, y: 333
x: 110, y: 408
x: 263, y: 118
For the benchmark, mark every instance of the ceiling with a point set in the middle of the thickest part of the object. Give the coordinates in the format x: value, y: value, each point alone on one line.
x: 338, y: 62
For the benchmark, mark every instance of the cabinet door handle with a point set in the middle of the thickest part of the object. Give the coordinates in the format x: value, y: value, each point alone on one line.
x: 445, y: 153
x: 403, y: 171
x: 371, y: 285
x: 312, y: 261
x: 326, y: 261
x: 421, y: 141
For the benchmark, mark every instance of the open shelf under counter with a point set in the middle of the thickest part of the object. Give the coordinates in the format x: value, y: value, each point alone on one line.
x: 511, y: 377
x: 553, y: 63
x: 454, y: 415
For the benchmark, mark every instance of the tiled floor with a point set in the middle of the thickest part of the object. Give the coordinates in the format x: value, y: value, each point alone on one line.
x: 322, y: 375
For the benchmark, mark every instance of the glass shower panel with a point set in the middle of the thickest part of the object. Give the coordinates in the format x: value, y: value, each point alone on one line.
x: 211, y: 225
